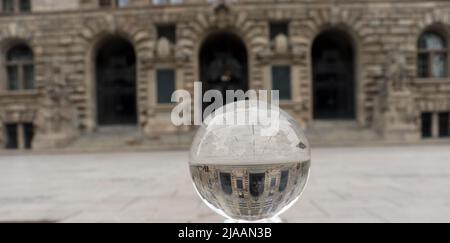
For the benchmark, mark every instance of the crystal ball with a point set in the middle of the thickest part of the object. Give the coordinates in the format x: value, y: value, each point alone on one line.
x: 250, y: 161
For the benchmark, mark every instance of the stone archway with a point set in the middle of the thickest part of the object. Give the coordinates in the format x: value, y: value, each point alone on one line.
x: 223, y: 63
x: 115, y: 72
x: 334, y: 89
x: 95, y: 30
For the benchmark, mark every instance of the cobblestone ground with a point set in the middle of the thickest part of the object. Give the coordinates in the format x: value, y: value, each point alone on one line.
x: 379, y: 184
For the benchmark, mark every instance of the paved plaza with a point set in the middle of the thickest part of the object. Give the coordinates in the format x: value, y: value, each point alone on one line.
x: 359, y: 184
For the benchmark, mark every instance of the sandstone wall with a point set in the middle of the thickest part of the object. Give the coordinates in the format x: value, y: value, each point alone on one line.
x: 70, y: 38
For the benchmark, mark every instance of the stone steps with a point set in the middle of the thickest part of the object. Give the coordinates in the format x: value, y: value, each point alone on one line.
x: 335, y: 133
x: 122, y: 138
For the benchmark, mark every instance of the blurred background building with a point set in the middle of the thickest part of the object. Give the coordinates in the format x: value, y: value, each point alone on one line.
x: 93, y: 73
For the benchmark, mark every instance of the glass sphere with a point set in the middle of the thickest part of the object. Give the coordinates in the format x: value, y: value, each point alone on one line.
x: 250, y: 161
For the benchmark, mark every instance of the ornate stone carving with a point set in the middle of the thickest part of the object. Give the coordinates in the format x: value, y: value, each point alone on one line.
x: 397, y: 116
x: 396, y: 73
x: 281, y: 47
x: 164, y: 48
x: 223, y: 16
x: 56, y: 119
x: 281, y: 44
x: 182, y: 56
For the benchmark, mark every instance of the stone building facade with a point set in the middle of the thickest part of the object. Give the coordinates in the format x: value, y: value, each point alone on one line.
x: 69, y: 67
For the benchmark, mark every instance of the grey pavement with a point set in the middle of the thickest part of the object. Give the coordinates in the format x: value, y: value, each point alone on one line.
x: 348, y: 184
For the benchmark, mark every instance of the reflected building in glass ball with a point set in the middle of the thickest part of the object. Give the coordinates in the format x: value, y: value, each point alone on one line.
x: 250, y: 193
x: 244, y: 173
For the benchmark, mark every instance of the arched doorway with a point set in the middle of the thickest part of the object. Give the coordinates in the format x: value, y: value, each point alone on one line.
x: 223, y: 64
x: 333, y: 76
x: 116, y: 82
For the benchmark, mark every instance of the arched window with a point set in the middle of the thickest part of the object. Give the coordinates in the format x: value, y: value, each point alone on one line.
x: 19, y: 68
x: 432, y: 59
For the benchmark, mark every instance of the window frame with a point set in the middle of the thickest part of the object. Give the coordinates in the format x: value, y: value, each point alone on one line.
x: 163, y: 29
x: 291, y: 91
x: 273, y: 25
x: 166, y: 2
x: 157, y: 97
x: 113, y: 4
x: 16, y: 8
x: 431, y: 54
x: 20, y: 65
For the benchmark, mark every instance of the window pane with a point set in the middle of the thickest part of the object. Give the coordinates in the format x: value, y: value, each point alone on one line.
x: 13, y: 77
x: 105, y: 3
x: 444, y: 124
x: 422, y: 65
x: 19, y: 53
x: 8, y: 6
x: 122, y: 3
x: 427, y: 125
x: 257, y: 184
x: 159, y: 2
x: 225, y: 181
x: 25, y: 6
x: 431, y: 41
x: 439, y: 65
x: 281, y: 80
x: 278, y: 28
x: 11, y: 136
x: 165, y: 85
x: 284, y: 180
x: 28, y: 76
x: 239, y: 184
x: 167, y: 31
x: 273, y: 182
x: 28, y: 134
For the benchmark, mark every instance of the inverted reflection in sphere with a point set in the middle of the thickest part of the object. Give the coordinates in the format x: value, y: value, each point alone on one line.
x: 251, y: 170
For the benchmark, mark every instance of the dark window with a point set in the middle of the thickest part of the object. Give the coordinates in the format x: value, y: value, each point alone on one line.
x: 239, y: 184
x: 277, y: 28
x: 28, y: 133
x: 11, y: 136
x: 16, y: 6
x: 168, y: 32
x: 333, y: 65
x: 8, y: 6
x: 284, y: 180
x: 165, y: 85
x: 273, y: 182
x: 20, y: 68
x: 25, y: 6
x: 223, y: 64
x: 225, y: 181
x: 427, y: 125
x: 116, y: 82
x: 281, y: 80
x: 432, y: 56
x: 12, y: 76
x: 105, y: 3
x: 257, y: 184
x: 444, y: 124
x: 28, y: 76
x: 163, y: 2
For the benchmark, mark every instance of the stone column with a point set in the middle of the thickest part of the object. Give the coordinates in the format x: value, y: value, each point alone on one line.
x: 435, y: 125
x: 2, y: 134
x: 20, y: 136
